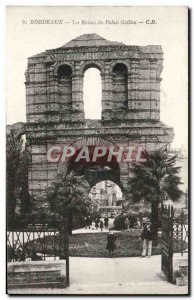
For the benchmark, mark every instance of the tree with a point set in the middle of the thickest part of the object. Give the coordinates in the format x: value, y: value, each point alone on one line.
x: 26, y: 204
x: 17, y: 161
x: 155, y: 180
x: 13, y: 152
x: 68, y: 196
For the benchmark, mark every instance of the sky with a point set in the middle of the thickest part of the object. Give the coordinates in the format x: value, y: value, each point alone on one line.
x: 170, y: 31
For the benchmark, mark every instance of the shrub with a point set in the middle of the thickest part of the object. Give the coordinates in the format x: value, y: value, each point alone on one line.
x: 15, y: 253
x: 119, y: 222
x: 132, y: 220
x: 95, y: 215
x: 78, y: 221
x: 178, y: 274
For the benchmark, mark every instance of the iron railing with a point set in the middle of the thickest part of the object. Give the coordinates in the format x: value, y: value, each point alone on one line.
x: 174, y: 237
x: 36, y: 242
x: 180, y: 233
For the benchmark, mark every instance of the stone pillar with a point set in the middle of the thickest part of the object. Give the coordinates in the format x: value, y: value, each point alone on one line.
x: 129, y: 102
x: 155, y: 90
x: 77, y: 92
x: 128, y: 86
x: 77, y: 96
x: 107, y: 91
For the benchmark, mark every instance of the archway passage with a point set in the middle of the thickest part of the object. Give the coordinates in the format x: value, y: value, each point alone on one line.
x: 98, y: 170
x: 92, y: 93
x: 106, y: 197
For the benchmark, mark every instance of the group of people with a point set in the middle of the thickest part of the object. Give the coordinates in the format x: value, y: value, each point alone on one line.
x: 146, y: 236
x: 138, y: 224
x: 98, y: 223
x: 88, y: 222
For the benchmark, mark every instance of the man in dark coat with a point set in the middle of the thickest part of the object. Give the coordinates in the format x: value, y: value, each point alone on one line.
x: 147, y: 237
x: 111, y: 239
x: 106, y: 220
x: 86, y: 223
x: 96, y: 223
x: 101, y: 225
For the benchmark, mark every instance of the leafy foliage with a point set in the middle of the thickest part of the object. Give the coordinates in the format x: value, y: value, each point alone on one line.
x: 156, y: 179
x: 119, y: 223
x: 68, y: 196
x: 17, y: 160
x: 15, y: 253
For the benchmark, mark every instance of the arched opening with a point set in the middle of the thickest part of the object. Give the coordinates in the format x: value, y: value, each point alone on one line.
x: 65, y: 87
x: 106, y: 198
x: 92, y: 93
x: 120, y: 86
x: 64, y: 72
x: 94, y: 171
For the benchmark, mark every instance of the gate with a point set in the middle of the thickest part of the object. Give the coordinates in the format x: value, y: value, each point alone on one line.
x: 174, y: 238
x: 167, y: 241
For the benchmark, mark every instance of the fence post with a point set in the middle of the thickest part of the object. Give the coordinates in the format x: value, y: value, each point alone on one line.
x: 177, y: 235
x: 66, y: 236
x: 67, y: 258
x: 182, y: 222
x: 167, y: 241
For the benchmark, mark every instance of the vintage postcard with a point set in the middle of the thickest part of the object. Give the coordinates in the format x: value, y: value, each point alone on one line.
x: 97, y: 150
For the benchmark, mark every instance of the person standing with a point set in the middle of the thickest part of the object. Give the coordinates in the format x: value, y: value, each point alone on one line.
x: 127, y: 223
x: 101, y: 225
x: 144, y: 220
x: 106, y: 220
x: 89, y: 221
x: 138, y: 224
x: 111, y: 239
x: 85, y: 223
x: 96, y: 223
x: 147, y: 237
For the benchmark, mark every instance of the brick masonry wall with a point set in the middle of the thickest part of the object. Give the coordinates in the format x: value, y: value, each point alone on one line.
x: 55, y: 110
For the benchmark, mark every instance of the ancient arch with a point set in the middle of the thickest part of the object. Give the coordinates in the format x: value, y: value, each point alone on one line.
x: 93, y: 171
x: 92, y: 64
x: 55, y: 111
x: 54, y: 68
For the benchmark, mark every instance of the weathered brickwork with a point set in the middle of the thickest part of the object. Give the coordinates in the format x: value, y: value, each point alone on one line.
x: 54, y: 101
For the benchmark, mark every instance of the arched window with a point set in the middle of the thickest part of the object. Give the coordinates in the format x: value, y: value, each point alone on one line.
x: 92, y: 93
x: 65, y: 86
x: 64, y: 72
x: 120, y: 89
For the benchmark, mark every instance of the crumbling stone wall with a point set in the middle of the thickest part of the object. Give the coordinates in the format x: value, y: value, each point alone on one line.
x: 54, y: 100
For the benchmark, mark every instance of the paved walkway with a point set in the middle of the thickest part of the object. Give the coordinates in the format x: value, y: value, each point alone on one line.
x: 114, y: 276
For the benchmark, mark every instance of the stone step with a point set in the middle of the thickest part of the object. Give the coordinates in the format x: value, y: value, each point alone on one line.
x: 36, y: 274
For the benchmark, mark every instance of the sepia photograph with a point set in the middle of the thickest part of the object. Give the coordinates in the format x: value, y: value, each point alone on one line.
x: 97, y: 196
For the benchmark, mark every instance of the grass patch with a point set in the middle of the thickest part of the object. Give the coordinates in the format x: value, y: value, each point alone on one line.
x: 128, y: 244
x: 94, y: 245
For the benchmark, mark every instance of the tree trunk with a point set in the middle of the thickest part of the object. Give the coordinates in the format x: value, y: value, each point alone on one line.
x: 154, y: 220
x: 70, y: 222
x: 63, y: 242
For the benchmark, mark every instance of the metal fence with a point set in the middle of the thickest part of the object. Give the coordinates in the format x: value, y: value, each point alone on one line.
x: 180, y: 233
x: 174, y: 238
x: 36, y: 242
